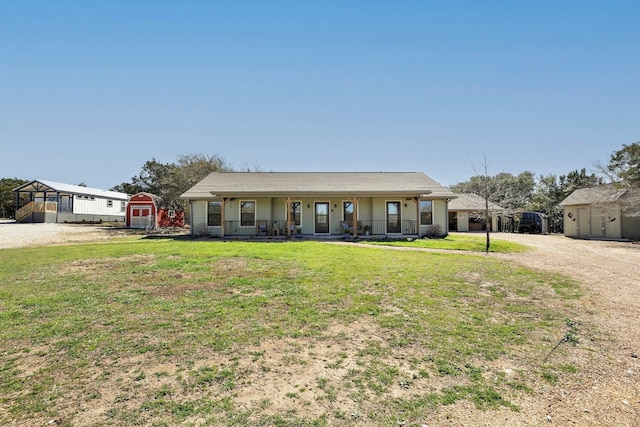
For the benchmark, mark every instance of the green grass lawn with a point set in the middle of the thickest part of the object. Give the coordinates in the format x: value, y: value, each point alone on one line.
x: 459, y: 242
x: 166, y: 332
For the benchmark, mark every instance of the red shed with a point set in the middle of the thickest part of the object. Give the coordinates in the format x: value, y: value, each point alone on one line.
x: 170, y: 218
x: 142, y: 211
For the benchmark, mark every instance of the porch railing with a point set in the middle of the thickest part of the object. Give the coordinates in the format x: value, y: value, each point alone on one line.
x: 35, y: 207
x: 260, y: 228
x: 379, y: 227
x: 279, y: 228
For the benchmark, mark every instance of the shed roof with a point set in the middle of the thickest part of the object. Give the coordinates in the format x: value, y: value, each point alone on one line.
x: 299, y: 184
x: 594, y: 195
x: 149, y: 195
x: 41, y: 185
x: 471, y: 202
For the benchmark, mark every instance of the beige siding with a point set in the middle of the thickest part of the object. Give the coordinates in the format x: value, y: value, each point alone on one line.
x: 585, y: 221
x: 440, y: 215
x: 462, y: 218
x: 199, y: 218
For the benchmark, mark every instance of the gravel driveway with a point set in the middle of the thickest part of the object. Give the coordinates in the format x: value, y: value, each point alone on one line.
x: 13, y: 235
x: 607, y: 392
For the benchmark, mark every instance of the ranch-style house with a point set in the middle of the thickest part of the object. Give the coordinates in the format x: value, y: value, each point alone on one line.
x: 318, y: 204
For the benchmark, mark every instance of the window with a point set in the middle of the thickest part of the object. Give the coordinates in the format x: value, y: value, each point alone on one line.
x: 347, y: 212
x: 109, y: 203
x: 123, y: 206
x: 295, y: 212
x: 426, y: 212
x: 214, y: 214
x: 247, y: 214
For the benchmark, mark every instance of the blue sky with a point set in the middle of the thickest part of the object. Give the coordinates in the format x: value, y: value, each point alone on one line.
x: 89, y: 91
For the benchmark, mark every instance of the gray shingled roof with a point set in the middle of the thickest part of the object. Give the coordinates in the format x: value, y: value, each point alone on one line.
x: 272, y: 184
x: 594, y: 195
x: 471, y: 202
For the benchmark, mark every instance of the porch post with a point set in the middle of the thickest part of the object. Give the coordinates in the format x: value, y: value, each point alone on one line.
x: 222, y: 205
x: 355, y: 217
x: 415, y: 199
x: 57, y: 204
x: 355, y: 201
x: 288, y: 203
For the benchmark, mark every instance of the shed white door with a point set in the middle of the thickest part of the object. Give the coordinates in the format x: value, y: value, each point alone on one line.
x: 141, y: 217
x: 583, y: 222
x: 612, y: 225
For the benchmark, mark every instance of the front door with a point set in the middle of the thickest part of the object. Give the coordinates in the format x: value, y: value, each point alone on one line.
x: 393, y: 218
x: 322, y: 218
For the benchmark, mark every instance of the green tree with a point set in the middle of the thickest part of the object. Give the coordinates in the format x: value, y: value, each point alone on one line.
x: 8, y: 197
x: 578, y: 179
x: 510, y: 192
x: 624, y: 166
x: 170, y: 180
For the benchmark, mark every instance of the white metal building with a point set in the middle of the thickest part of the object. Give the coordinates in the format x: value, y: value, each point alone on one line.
x: 49, y: 201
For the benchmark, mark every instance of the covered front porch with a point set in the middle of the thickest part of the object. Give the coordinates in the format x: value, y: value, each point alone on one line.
x: 304, y: 216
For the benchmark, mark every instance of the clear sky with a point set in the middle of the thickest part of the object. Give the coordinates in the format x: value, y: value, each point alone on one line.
x: 91, y: 90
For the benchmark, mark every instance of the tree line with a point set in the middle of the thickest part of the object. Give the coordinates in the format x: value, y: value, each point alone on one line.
x: 524, y: 191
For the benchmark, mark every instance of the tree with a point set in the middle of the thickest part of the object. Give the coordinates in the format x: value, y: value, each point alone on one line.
x: 170, y: 180
x: 547, y: 196
x: 624, y: 166
x: 8, y: 197
x: 578, y: 179
x: 550, y: 191
x: 510, y: 192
